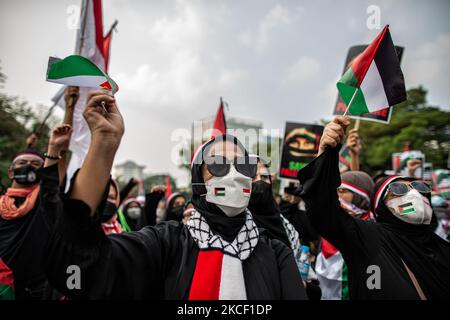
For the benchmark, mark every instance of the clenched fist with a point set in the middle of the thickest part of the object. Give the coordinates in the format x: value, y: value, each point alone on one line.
x: 334, y: 133
x: 103, y: 116
x: 353, y: 142
x: 59, y: 138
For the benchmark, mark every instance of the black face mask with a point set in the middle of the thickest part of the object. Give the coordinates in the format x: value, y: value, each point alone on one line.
x: 177, y: 213
x: 109, y: 211
x: 26, y: 175
x: 261, y: 194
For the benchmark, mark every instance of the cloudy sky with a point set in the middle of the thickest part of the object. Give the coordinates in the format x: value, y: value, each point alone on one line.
x: 270, y: 60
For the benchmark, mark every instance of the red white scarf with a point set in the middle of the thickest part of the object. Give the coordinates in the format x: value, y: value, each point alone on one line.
x: 218, y: 272
x: 112, y: 226
x: 8, y: 209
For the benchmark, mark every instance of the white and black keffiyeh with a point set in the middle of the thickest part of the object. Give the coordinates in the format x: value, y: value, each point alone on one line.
x: 293, y: 235
x: 241, y: 247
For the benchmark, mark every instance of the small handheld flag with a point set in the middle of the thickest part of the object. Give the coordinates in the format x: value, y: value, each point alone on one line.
x: 220, y: 125
x: 78, y: 71
x: 374, y: 80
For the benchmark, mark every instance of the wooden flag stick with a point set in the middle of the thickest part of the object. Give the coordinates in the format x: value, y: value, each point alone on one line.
x: 351, y: 101
x: 357, y: 123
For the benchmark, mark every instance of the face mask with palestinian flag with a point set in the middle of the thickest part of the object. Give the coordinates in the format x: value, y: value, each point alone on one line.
x: 411, y: 208
x: 374, y: 81
x: 79, y: 71
x: 230, y: 193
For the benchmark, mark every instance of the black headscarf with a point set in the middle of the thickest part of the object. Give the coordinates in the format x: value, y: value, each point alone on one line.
x: 266, y: 212
x: 219, y: 222
x: 171, y: 214
x: 424, y: 252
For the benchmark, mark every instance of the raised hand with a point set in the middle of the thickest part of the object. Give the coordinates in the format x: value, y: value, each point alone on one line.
x: 32, y: 141
x: 59, y: 139
x: 412, y: 165
x: 353, y: 142
x: 71, y: 95
x: 103, y: 116
x: 334, y: 133
x: 158, y: 189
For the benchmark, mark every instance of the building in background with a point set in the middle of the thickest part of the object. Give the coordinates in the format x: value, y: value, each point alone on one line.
x: 127, y: 170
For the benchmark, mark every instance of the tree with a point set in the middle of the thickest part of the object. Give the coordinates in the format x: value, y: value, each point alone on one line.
x: 423, y: 127
x: 18, y: 120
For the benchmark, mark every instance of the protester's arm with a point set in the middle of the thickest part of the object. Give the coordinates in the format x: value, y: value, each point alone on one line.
x: 354, y: 145
x: 151, y: 204
x: 320, y: 179
x: 124, y: 266
x: 127, y: 189
x: 71, y: 95
x: 119, y: 266
x: 32, y: 140
x: 58, y: 142
x: 412, y: 165
x: 106, y: 132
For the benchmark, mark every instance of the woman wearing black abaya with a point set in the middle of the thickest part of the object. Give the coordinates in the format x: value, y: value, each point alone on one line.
x: 396, y: 257
x: 175, y: 207
x: 266, y: 212
x: 218, y: 254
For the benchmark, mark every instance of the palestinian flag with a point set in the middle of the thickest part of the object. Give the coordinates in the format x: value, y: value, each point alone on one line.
x: 374, y: 80
x: 344, y: 159
x: 441, y: 181
x: 406, y: 208
x: 79, y: 71
x: 219, y: 191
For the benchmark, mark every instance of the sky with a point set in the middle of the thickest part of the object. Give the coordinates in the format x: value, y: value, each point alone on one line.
x: 272, y: 61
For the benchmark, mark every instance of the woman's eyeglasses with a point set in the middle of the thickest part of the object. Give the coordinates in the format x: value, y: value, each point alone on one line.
x: 400, y: 188
x: 219, y: 166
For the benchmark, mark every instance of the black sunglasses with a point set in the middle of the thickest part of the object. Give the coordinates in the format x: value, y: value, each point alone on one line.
x: 400, y: 189
x: 219, y: 166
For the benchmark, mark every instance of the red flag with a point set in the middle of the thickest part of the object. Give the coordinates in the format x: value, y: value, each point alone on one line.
x: 168, y: 187
x: 220, y: 126
x: 107, y: 45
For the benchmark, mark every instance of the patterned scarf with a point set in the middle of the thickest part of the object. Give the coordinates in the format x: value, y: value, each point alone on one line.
x: 218, y: 272
x: 112, y: 226
x: 293, y: 235
x: 8, y: 209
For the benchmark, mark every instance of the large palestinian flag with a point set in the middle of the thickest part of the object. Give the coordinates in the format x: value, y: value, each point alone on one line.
x: 374, y: 80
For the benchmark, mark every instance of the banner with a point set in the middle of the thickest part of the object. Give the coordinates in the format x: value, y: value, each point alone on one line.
x: 382, y: 116
x: 300, y: 147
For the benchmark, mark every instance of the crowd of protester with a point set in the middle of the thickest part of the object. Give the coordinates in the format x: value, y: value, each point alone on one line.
x: 328, y: 236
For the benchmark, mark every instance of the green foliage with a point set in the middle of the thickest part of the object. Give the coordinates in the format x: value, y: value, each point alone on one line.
x: 413, y: 122
x: 18, y: 120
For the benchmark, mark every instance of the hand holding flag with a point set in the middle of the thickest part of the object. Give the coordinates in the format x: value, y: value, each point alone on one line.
x: 104, y: 125
x: 374, y: 81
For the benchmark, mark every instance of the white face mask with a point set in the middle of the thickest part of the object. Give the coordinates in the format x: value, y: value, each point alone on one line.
x: 230, y: 193
x: 412, y: 208
x: 134, y: 213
